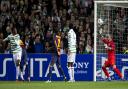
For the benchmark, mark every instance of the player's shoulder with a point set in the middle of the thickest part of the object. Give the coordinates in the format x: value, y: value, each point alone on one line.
x: 17, y: 35
x: 10, y: 35
x: 70, y: 31
x: 57, y: 36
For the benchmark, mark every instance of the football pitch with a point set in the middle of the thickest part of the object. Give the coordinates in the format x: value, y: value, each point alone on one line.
x: 64, y: 85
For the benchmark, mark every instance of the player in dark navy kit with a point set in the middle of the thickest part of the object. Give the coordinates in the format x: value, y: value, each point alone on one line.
x: 55, y: 51
x: 24, y: 61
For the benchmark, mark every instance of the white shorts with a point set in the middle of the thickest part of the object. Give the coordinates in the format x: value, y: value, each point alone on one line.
x: 17, y: 56
x: 71, y: 57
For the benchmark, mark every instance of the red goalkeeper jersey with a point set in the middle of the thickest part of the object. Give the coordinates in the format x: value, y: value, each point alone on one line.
x: 110, y: 49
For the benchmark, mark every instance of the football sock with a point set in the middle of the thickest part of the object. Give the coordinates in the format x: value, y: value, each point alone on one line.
x: 72, y: 68
x: 70, y: 73
x: 17, y: 72
x: 50, y: 72
x: 105, y: 71
x: 118, y: 72
x: 21, y: 75
x: 61, y: 71
x: 24, y: 67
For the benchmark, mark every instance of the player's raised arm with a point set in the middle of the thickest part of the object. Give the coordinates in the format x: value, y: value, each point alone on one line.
x: 107, y: 39
x: 100, y: 35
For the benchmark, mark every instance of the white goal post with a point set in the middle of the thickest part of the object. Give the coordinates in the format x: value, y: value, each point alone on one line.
x: 108, y: 4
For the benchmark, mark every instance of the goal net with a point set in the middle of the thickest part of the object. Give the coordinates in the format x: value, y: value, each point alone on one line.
x: 111, y: 17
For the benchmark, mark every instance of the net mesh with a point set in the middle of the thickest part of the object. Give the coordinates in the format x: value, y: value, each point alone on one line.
x: 115, y: 20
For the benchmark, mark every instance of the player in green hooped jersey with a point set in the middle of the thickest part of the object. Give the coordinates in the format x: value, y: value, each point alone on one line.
x: 16, y: 50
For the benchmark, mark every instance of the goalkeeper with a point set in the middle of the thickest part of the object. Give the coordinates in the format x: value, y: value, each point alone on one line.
x: 110, y: 47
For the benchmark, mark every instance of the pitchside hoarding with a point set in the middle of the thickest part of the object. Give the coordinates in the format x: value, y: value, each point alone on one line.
x: 38, y: 67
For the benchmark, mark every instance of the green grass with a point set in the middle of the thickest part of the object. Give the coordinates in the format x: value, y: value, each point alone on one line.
x: 64, y: 85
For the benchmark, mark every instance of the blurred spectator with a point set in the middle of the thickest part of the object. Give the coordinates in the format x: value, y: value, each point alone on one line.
x: 37, y: 21
x: 38, y: 45
x: 88, y: 48
x: 1, y: 43
x: 47, y: 47
x: 125, y: 50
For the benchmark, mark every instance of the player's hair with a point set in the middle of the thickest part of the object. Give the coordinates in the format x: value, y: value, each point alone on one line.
x: 110, y: 35
x: 70, y: 26
x: 14, y: 30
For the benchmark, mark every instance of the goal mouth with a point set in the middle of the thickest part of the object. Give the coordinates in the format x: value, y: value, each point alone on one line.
x: 110, y: 17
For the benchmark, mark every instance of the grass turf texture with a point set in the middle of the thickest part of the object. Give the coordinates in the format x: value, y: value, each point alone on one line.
x: 64, y: 85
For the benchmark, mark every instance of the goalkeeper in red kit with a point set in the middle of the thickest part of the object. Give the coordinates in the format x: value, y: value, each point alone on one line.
x: 110, y: 47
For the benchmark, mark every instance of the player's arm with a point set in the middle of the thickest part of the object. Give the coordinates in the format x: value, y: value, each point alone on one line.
x: 58, y: 49
x: 6, y: 39
x: 107, y: 46
x: 110, y: 47
x: 17, y: 39
x: 59, y: 46
x: 105, y: 40
x: 101, y: 37
x: 55, y: 43
x: 69, y: 42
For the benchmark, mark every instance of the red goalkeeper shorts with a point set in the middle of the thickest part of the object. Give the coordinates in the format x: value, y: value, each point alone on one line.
x: 110, y: 62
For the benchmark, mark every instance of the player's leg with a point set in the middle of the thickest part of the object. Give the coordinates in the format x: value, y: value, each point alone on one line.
x: 117, y: 71
x: 17, y: 65
x: 25, y: 64
x: 19, y: 54
x: 50, y: 68
x: 106, y: 64
x: 28, y: 70
x: 60, y: 68
x: 71, y: 60
x: 21, y: 64
x: 69, y: 66
x: 24, y: 59
x: 70, y: 71
x: 72, y: 65
x: 25, y: 70
x: 112, y: 62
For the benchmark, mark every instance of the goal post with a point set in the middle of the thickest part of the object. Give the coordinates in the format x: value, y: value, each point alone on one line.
x: 110, y: 17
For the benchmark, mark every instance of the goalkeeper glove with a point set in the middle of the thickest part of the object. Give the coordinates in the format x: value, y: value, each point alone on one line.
x: 107, y: 47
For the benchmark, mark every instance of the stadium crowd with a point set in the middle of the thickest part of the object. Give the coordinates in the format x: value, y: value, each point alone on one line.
x: 37, y: 20
x: 119, y: 27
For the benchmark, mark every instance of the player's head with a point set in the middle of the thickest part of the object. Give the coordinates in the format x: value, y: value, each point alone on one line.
x: 58, y: 33
x: 70, y: 26
x: 14, y: 30
x: 109, y: 36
